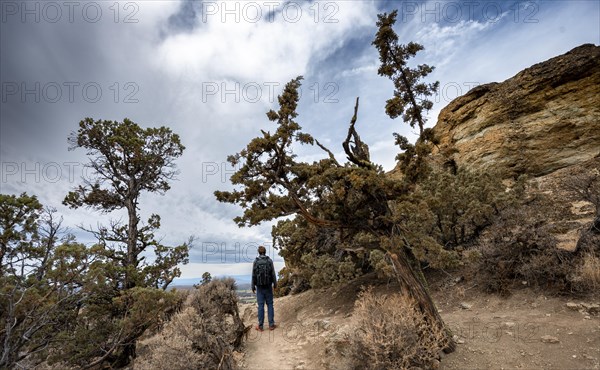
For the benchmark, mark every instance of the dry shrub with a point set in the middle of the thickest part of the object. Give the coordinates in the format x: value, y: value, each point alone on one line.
x: 173, y: 347
x: 585, y: 186
x: 589, y: 272
x: 521, y: 246
x: 203, y: 335
x: 390, y: 333
x: 587, y: 277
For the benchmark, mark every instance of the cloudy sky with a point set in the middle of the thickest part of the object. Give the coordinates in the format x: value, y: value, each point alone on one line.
x: 211, y: 69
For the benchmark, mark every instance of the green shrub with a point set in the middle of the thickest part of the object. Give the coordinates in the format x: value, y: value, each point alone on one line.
x: 325, y: 270
x: 313, y: 257
x: 462, y: 204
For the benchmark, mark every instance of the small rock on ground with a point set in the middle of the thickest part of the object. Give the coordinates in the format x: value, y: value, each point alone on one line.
x: 550, y: 339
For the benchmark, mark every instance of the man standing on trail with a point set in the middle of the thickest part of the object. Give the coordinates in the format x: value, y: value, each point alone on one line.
x: 264, y: 281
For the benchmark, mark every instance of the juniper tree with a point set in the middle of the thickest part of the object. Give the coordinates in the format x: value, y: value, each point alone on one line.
x: 206, y: 278
x: 126, y: 160
x: 355, y: 203
x: 18, y: 220
x: 351, y: 200
x: 41, y: 277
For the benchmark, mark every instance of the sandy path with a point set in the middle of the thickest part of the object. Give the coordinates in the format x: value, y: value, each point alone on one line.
x: 282, y: 348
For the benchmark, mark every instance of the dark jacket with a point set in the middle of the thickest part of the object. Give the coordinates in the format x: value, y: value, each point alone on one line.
x: 273, y: 275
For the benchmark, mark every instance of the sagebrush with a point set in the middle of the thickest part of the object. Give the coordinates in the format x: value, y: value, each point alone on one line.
x: 521, y: 249
x: 391, y: 333
x: 203, y: 335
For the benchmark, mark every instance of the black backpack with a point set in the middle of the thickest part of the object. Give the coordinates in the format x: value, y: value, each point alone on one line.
x: 262, y: 271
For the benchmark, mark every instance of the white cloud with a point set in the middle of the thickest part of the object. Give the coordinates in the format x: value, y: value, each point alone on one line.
x: 261, y: 51
x: 444, y: 43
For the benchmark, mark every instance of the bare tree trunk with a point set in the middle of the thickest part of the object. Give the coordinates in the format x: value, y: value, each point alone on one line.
x: 7, y: 350
x: 414, y: 287
x: 126, y: 356
x: 131, y: 243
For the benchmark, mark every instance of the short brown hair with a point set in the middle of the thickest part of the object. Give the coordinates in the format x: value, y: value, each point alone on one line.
x: 262, y: 250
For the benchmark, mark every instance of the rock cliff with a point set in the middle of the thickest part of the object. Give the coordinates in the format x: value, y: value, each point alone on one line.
x: 544, y: 118
x: 545, y: 123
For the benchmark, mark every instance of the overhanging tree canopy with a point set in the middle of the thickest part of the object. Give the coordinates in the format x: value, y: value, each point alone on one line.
x: 352, y: 198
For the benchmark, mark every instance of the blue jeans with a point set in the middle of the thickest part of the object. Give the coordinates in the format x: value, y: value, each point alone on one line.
x: 265, y: 295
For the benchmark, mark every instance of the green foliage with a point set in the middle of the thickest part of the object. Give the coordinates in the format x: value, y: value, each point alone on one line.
x: 414, y: 159
x: 410, y: 95
x: 126, y: 160
x: 377, y: 260
x: 18, y: 220
x: 312, y: 256
x: 40, y: 279
x: 463, y: 204
x: 108, y: 321
x: 206, y: 278
x: 415, y: 220
x: 324, y: 270
x: 284, y: 283
x: 447, y: 211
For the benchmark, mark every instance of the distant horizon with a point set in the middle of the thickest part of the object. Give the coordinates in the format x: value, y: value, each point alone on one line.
x: 240, y: 279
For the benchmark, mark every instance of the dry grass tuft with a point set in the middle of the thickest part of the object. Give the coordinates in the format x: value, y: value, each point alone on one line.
x: 391, y: 334
x: 588, y: 274
x: 203, y: 335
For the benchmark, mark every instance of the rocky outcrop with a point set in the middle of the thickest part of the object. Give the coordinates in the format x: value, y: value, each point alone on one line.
x: 545, y: 123
x: 570, y: 216
x: 544, y: 118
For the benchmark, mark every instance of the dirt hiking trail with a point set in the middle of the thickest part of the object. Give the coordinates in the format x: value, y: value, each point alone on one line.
x: 282, y: 348
x: 527, y: 330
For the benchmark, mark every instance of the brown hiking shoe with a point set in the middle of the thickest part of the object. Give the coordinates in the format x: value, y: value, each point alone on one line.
x: 259, y: 328
x: 272, y: 327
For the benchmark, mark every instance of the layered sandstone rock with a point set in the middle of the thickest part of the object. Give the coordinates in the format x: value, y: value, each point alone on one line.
x: 544, y: 122
x: 544, y: 118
